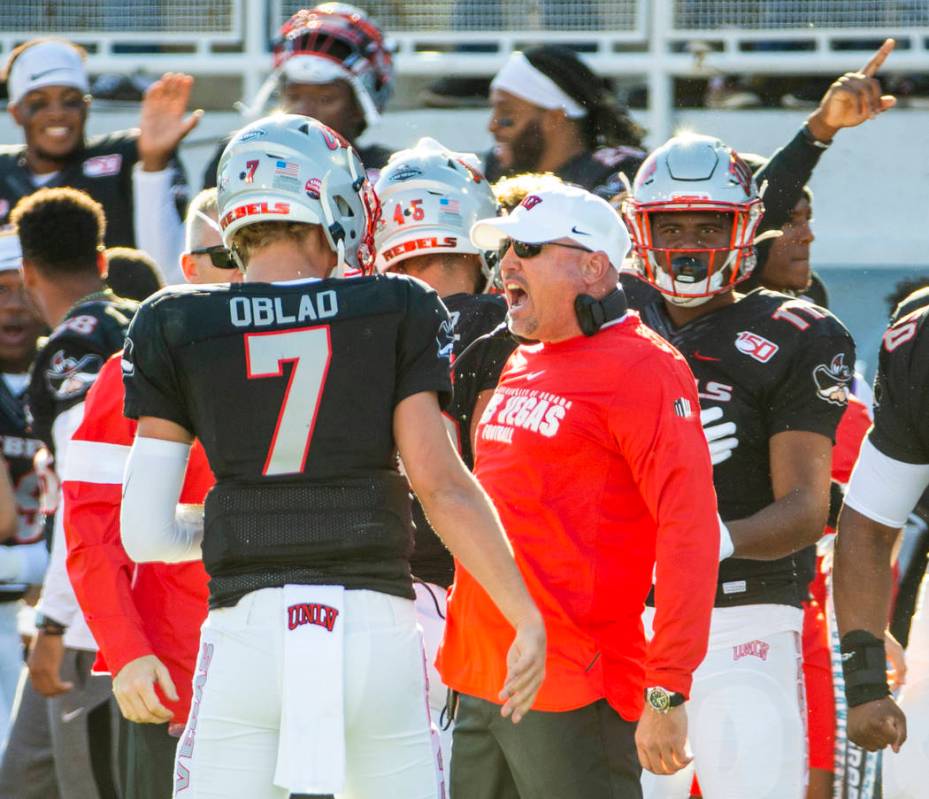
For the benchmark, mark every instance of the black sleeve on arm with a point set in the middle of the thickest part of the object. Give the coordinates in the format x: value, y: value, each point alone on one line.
x: 424, y: 346
x: 786, y: 172
x: 149, y: 375
x: 901, y: 389
x: 814, y: 392
x: 71, y: 370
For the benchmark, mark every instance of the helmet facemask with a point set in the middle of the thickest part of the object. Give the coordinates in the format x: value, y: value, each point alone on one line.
x: 690, y: 276
x: 693, y: 174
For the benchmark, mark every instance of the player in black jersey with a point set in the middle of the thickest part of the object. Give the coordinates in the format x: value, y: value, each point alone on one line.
x: 891, y: 474
x: 23, y: 554
x: 772, y: 375
x: 430, y: 197
x: 134, y: 175
x: 61, y: 233
x: 331, y: 62
x: 302, y: 387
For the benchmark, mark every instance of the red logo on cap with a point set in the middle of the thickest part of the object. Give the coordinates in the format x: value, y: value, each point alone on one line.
x: 531, y: 201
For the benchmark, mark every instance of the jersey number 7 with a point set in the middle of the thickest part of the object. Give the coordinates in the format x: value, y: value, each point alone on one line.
x: 309, y: 350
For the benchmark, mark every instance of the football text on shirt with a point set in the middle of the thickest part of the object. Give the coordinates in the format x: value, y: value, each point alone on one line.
x: 261, y: 311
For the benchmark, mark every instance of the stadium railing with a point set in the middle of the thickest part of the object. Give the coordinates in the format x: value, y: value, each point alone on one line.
x: 657, y: 40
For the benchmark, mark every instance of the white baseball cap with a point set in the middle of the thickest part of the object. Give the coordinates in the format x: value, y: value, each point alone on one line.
x: 556, y: 213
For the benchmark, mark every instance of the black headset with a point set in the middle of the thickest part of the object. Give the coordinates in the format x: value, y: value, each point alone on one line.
x: 593, y: 314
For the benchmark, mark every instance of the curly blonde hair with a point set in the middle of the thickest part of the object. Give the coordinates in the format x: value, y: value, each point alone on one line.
x: 511, y: 191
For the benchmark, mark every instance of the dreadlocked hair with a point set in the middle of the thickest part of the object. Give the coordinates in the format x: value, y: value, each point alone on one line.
x: 607, y: 123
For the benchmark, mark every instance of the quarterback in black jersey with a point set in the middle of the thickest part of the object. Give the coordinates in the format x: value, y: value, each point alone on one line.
x: 891, y: 474
x: 430, y: 198
x: 302, y: 387
x: 135, y: 174
x: 772, y: 375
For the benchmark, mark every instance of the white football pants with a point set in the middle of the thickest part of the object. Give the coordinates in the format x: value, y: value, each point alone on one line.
x: 746, y: 723
x: 236, y: 712
x: 431, y: 601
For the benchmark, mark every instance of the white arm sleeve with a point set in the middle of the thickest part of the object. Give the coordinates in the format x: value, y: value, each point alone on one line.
x: 152, y: 525
x: 159, y: 230
x: 58, y: 600
x: 883, y: 489
x: 23, y: 564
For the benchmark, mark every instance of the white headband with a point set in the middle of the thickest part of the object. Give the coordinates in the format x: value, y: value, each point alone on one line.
x: 46, y: 64
x: 519, y: 77
x: 11, y: 254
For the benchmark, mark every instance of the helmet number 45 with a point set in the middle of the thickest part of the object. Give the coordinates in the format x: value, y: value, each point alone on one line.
x: 415, y: 211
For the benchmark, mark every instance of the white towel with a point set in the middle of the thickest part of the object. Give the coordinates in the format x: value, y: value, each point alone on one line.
x: 311, y: 751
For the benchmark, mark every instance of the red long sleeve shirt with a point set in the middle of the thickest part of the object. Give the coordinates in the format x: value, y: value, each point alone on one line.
x: 593, y: 454
x: 131, y: 609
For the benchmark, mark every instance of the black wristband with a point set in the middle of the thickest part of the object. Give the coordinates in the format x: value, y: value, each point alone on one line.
x: 864, y: 665
x: 812, y: 140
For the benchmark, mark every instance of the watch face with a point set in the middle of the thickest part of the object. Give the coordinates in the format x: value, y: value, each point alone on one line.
x: 659, y: 699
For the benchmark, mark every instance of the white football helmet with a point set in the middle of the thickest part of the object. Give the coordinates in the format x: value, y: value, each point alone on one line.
x: 430, y: 198
x: 688, y: 174
x: 291, y: 168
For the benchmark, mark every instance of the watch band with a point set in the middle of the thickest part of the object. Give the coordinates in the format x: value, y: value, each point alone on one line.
x: 48, y: 625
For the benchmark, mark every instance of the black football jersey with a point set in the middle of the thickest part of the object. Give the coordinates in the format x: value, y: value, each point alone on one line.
x: 471, y: 315
x: 103, y: 169
x: 773, y: 364
x: 19, y: 447
x: 70, y: 359
x: 291, y: 389
x: 901, y: 388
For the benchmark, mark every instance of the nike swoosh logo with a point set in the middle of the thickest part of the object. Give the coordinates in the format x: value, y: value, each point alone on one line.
x: 700, y: 357
x: 71, y: 715
x: 534, y: 375
x: 38, y: 75
x: 579, y: 232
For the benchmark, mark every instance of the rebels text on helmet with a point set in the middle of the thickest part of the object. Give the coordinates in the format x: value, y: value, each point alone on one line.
x: 254, y: 209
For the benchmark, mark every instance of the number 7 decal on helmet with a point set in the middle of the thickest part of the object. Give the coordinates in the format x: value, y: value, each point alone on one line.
x: 309, y: 351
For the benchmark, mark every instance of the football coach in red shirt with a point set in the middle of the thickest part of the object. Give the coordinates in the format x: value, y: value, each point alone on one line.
x: 592, y: 452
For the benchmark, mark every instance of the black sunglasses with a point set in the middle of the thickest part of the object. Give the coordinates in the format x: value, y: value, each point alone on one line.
x: 220, y: 257
x: 524, y: 249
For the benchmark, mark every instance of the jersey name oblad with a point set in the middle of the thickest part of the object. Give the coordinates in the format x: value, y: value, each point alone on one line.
x: 262, y: 311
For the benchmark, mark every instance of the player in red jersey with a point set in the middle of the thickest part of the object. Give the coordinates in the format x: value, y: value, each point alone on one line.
x: 145, y: 618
